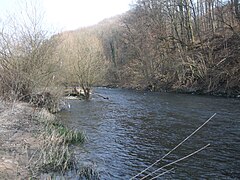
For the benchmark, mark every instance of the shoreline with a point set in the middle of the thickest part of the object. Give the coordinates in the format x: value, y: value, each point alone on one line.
x: 33, y: 143
x: 179, y: 91
x: 18, y: 139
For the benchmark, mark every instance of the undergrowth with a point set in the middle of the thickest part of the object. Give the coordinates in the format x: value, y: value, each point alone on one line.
x: 70, y: 136
x: 55, y: 154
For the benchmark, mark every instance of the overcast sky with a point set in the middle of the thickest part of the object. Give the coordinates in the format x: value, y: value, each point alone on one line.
x: 72, y: 14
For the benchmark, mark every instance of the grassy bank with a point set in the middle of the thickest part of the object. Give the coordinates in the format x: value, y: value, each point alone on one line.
x: 34, y: 143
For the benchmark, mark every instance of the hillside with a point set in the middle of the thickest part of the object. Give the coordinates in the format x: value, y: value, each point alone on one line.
x: 190, y: 48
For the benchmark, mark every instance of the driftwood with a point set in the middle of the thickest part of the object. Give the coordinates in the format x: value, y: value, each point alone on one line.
x: 74, y: 91
x: 102, y: 96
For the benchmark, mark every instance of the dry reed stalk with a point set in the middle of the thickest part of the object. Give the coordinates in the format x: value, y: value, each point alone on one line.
x: 194, y: 132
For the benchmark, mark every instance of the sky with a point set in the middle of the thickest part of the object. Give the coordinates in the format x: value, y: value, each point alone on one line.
x: 71, y: 14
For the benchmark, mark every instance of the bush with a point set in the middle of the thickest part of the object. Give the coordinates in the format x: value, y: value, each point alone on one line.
x: 26, y: 56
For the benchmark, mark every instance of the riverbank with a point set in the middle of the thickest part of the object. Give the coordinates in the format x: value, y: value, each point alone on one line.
x: 208, y: 67
x: 18, y: 137
x: 33, y: 143
x: 182, y: 90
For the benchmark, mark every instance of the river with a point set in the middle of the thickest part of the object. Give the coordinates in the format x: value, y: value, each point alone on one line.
x: 131, y: 130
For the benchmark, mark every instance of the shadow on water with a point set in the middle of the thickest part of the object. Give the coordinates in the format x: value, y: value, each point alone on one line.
x: 131, y: 130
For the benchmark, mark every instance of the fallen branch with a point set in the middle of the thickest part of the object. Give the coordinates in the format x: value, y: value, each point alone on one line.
x: 102, y: 96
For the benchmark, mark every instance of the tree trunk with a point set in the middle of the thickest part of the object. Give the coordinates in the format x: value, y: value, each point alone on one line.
x: 86, y: 92
x: 237, y: 10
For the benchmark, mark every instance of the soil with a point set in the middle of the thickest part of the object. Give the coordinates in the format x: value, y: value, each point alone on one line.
x: 18, y: 139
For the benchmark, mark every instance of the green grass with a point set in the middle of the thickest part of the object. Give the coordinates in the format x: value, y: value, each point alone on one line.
x: 70, y: 136
x: 55, y: 154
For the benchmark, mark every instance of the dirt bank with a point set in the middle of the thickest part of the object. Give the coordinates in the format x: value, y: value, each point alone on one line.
x: 19, y: 138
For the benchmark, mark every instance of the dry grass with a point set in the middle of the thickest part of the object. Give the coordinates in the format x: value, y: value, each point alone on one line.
x: 55, y: 154
x: 33, y: 143
x: 18, y: 139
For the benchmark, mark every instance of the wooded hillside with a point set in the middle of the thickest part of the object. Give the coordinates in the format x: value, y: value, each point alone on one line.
x: 172, y: 45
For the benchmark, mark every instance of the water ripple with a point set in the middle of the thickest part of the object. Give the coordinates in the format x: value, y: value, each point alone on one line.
x: 132, y: 129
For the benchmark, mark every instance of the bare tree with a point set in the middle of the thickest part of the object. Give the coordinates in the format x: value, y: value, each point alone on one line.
x: 26, y: 52
x: 85, y: 60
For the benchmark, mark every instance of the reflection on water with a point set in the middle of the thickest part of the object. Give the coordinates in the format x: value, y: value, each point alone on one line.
x: 131, y: 130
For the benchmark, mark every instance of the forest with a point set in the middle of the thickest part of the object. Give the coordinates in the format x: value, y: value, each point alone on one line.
x: 178, y: 45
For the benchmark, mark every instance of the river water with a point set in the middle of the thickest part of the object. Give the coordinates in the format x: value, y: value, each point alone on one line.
x: 131, y: 130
